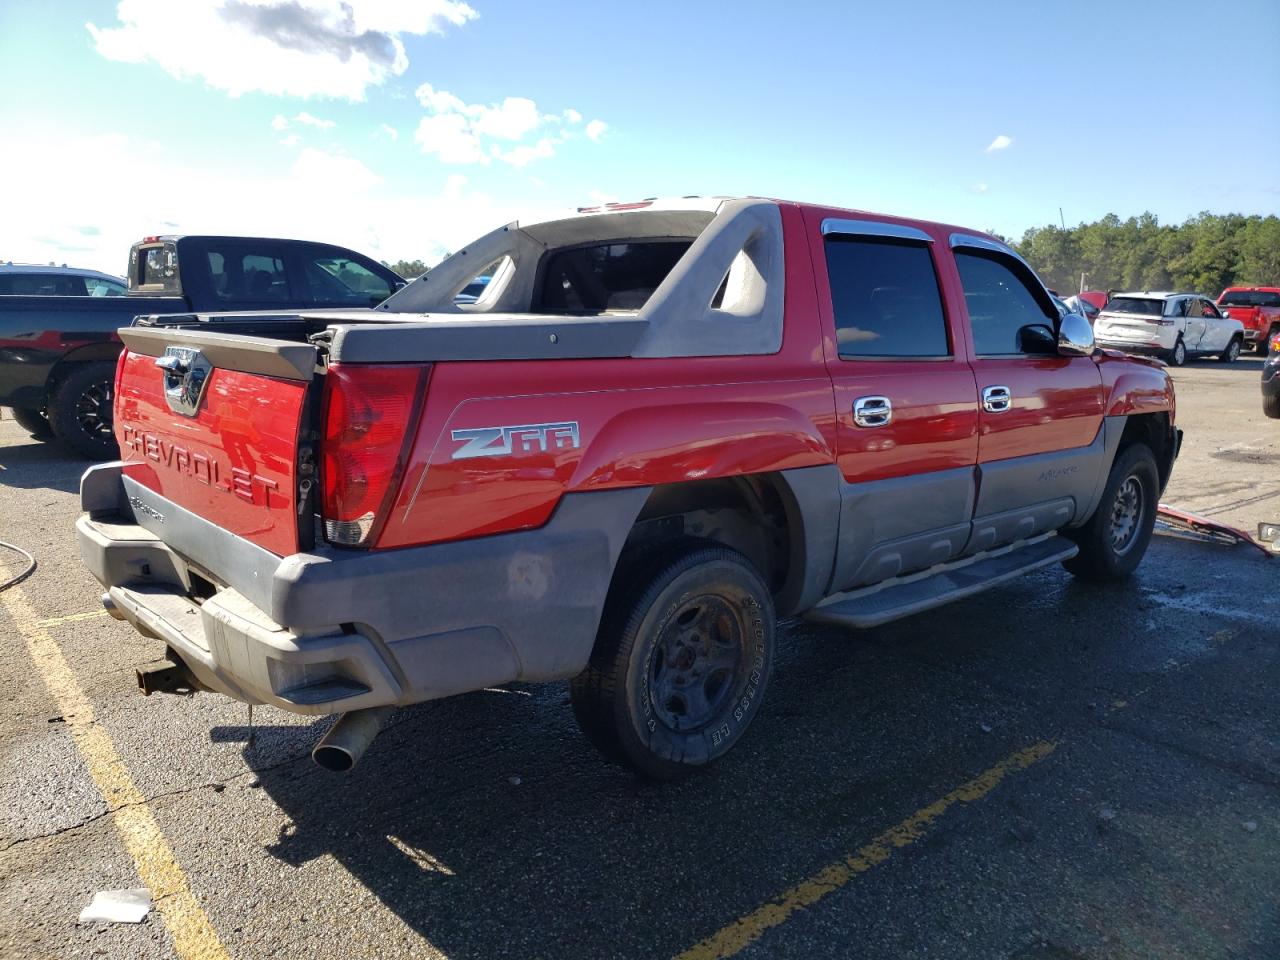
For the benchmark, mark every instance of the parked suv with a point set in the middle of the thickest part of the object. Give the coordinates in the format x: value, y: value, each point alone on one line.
x: 32, y: 280
x: 1172, y: 326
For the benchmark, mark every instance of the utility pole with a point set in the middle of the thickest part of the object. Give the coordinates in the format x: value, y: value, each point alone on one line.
x: 1062, y: 219
x: 1082, y: 276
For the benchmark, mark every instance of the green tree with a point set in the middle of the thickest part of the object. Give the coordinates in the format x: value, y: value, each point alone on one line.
x: 409, y: 269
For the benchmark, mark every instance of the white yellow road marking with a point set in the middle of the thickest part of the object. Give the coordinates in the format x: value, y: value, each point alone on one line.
x: 71, y: 618
x: 193, y: 935
x: 749, y: 928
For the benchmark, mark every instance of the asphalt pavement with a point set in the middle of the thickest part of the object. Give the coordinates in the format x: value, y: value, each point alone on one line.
x: 1051, y: 770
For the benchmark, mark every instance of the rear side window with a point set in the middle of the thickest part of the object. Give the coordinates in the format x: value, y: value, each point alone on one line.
x: 1001, y: 303
x: 885, y: 296
x: 247, y: 275
x: 41, y: 285
x: 607, y: 276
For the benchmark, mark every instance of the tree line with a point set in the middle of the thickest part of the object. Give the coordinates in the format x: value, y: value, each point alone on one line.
x: 1204, y: 254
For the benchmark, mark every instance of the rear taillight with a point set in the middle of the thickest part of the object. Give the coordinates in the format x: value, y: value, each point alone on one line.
x: 370, y: 415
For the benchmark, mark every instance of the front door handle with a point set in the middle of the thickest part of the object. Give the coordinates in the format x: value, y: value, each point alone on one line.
x: 872, y: 411
x: 996, y: 399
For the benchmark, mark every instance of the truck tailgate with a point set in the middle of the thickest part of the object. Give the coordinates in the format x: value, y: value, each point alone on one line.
x: 212, y: 423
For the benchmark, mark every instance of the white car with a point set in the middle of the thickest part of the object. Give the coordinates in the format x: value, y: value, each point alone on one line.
x: 1172, y: 326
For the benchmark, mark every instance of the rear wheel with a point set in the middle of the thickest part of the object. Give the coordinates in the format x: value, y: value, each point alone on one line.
x: 1232, y: 353
x: 80, y: 410
x: 34, y: 422
x: 681, y: 661
x: 1178, y: 355
x: 1114, y: 540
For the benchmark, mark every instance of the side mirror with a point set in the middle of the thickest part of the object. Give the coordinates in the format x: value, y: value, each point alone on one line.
x: 1075, y: 336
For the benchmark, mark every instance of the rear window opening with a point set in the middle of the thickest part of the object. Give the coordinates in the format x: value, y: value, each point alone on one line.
x: 615, y: 276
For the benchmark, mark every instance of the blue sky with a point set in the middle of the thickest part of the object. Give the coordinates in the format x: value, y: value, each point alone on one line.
x: 405, y: 127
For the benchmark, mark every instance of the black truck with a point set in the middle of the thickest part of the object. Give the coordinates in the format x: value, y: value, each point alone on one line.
x: 58, y: 353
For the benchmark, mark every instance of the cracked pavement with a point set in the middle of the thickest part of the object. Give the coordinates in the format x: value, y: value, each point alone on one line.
x: 485, y: 826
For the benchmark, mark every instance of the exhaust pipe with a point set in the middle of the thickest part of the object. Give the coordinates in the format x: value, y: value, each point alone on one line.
x: 342, y: 747
x: 109, y: 605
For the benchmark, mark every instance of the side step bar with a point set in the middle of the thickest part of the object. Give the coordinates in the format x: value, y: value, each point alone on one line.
x: 915, y: 593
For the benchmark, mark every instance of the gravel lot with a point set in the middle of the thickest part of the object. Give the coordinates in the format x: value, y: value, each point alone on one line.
x: 1047, y: 771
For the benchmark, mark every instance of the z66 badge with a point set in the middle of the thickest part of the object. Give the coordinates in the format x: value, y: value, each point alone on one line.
x: 527, y: 438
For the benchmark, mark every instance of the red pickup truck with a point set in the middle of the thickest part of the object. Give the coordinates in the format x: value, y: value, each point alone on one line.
x: 660, y: 427
x: 1258, y: 308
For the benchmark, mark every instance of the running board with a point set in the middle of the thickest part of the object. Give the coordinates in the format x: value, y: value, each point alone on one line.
x: 915, y: 593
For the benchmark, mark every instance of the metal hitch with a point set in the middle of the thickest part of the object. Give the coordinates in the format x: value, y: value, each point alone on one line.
x: 165, y: 676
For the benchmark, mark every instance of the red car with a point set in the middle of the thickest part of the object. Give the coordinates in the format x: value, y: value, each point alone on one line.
x: 659, y: 428
x: 1258, y: 308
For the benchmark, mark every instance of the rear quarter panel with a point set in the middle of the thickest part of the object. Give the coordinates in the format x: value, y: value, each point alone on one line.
x: 639, y: 422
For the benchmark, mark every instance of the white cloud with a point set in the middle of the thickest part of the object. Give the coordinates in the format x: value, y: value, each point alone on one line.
x: 321, y: 170
x: 449, y: 137
x: 459, y: 132
x: 310, y: 121
x: 280, y: 122
x: 389, y: 130
x: 999, y: 143
x: 978, y: 188
x: 290, y: 141
x: 524, y: 154
x: 323, y: 48
x: 362, y: 209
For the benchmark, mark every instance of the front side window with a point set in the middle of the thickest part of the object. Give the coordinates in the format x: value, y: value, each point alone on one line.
x: 338, y: 280
x: 248, y: 275
x: 1005, y: 315
x: 603, y: 277
x: 884, y: 294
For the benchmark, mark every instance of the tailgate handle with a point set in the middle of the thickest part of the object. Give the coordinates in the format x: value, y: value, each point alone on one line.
x: 186, y: 372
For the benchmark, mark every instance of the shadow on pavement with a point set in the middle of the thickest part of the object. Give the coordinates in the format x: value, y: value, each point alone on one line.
x: 36, y: 465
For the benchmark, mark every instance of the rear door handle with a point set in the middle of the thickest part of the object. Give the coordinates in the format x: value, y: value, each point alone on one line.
x: 997, y: 399
x: 872, y: 411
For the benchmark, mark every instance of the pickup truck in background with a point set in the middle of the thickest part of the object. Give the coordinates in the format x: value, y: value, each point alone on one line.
x: 659, y: 427
x: 1258, y: 309
x: 58, y: 353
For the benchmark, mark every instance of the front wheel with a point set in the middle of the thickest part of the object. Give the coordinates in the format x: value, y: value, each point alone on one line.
x: 1114, y: 540
x: 680, y: 664
x: 80, y: 410
x: 34, y: 422
x: 1232, y: 353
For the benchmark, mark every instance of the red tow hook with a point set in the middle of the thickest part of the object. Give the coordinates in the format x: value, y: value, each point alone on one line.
x: 1172, y: 522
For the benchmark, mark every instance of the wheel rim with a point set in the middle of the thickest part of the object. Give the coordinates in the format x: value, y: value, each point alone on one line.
x: 93, y: 410
x: 1233, y: 351
x: 1126, y: 515
x: 696, y: 661
x: 1179, y: 353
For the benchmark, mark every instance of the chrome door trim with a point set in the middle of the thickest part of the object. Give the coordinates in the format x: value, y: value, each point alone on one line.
x: 997, y: 399
x: 872, y: 228
x: 872, y: 411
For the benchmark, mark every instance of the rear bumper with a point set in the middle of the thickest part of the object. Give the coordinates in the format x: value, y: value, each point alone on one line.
x: 1146, y: 348
x: 331, y: 631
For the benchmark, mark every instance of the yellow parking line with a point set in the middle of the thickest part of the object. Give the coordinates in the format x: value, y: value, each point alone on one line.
x: 749, y: 928
x: 193, y: 935
x: 71, y: 618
